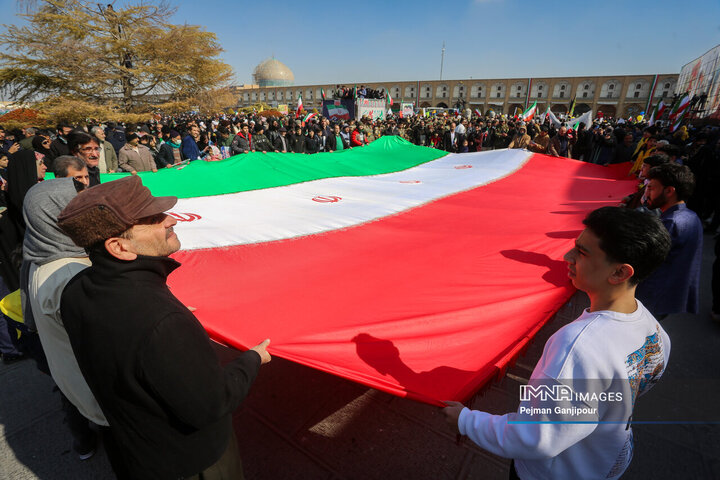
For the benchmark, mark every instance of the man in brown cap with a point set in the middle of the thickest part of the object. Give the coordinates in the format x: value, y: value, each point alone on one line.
x: 144, y: 355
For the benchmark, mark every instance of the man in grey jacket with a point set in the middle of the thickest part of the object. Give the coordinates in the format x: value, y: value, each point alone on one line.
x: 134, y: 157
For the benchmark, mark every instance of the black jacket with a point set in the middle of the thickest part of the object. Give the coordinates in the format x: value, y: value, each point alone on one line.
x: 297, y: 143
x: 448, y: 144
x: 331, y: 143
x: 151, y: 367
x: 272, y: 135
x: 94, y: 174
x: 165, y: 156
x: 277, y: 144
x: 116, y: 137
x: 58, y: 147
x: 262, y: 143
x: 313, y: 145
x: 420, y: 136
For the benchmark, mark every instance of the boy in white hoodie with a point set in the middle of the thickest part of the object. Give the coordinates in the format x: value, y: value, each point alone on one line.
x: 574, y: 417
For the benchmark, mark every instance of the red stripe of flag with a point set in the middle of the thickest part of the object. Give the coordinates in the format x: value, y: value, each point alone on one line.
x: 429, y: 303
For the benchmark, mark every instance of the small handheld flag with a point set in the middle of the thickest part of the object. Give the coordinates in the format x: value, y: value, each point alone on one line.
x: 307, y: 118
x: 529, y: 113
x: 299, y: 106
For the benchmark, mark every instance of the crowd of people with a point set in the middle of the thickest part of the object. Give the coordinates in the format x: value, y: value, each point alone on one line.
x: 190, y: 137
x: 76, y: 257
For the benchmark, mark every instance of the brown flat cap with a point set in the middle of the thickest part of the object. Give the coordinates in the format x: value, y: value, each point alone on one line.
x: 108, y: 209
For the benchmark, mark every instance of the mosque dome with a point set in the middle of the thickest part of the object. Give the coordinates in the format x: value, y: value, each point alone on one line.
x: 273, y: 73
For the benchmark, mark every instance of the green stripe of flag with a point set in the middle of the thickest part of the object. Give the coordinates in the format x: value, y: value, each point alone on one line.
x: 258, y: 170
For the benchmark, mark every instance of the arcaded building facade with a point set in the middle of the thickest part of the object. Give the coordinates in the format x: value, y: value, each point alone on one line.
x: 618, y: 95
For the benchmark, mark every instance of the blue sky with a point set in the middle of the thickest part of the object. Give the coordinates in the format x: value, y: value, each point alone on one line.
x: 371, y: 40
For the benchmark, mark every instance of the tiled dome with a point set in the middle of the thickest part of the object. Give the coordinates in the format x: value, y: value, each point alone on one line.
x: 273, y: 73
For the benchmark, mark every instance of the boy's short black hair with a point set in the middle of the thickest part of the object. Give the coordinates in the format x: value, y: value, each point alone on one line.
x: 671, y: 150
x: 657, y: 159
x: 630, y: 236
x: 674, y: 175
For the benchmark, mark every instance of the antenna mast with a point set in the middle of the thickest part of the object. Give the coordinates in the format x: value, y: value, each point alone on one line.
x: 442, y: 59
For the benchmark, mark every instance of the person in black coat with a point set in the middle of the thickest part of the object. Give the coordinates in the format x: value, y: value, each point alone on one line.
x: 41, y: 144
x: 170, y: 152
x: 261, y: 143
x: 297, y: 141
x: 115, y: 134
x: 420, y: 134
x: 59, y: 146
x: 145, y: 357
x: 451, y: 139
x: 331, y: 141
x: 272, y: 132
x: 282, y: 143
x: 23, y: 171
x: 312, y: 142
x: 584, y: 144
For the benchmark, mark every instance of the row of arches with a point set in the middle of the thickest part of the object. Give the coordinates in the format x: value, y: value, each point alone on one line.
x: 629, y: 110
x: 610, y: 89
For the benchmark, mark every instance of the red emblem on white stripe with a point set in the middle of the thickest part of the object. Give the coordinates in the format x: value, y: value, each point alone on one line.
x: 326, y: 199
x: 410, y: 181
x: 185, y: 217
x: 460, y: 167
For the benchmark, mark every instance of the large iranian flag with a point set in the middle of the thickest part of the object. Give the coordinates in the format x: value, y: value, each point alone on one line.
x: 420, y: 273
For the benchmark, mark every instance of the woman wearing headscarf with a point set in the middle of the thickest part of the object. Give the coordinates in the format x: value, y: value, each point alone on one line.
x: 3, y: 166
x: 23, y: 172
x: 3, y: 182
x: 41, y: 146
